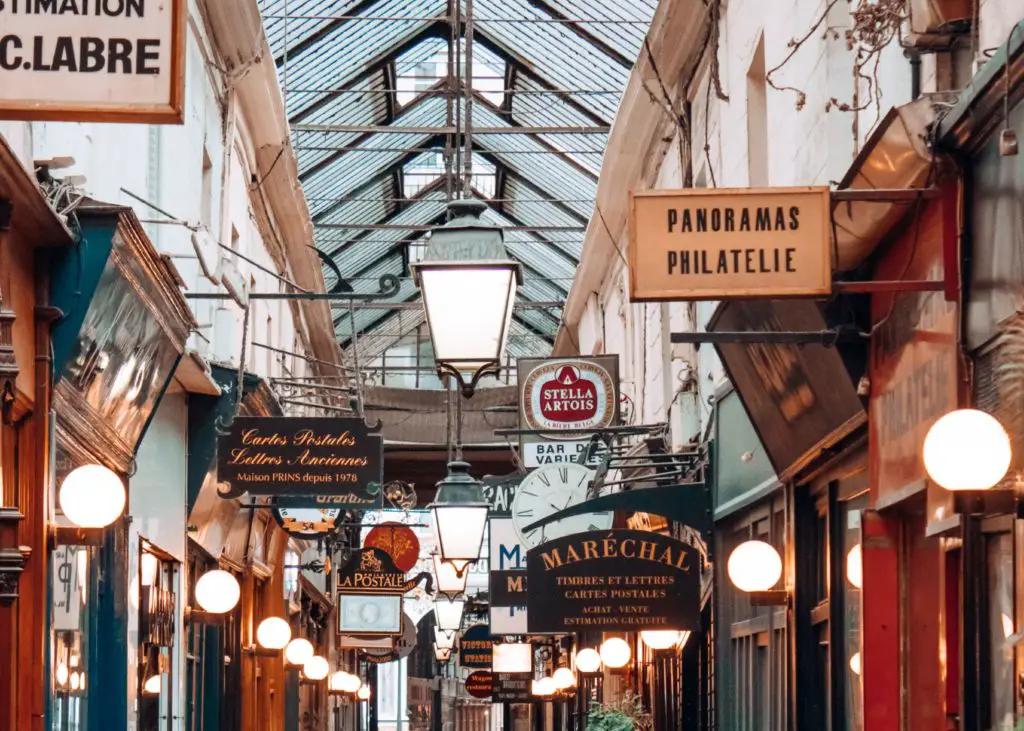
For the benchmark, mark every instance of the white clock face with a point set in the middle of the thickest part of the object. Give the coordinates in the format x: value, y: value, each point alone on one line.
x: 548, y: 490
x: 308, y: 521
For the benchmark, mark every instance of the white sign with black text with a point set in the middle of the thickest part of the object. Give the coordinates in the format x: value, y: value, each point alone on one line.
x: 507, y: 554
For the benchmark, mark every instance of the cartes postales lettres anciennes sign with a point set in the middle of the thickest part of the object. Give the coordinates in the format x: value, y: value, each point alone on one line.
x: 713, y: 244
x: 613, y: 581
x: 92, y: 60
x: 302, y: 456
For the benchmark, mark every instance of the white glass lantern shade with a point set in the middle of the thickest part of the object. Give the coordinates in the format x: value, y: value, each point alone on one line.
x: 564, y: 678
x: 62, y: 675
x: 335, y: 682
x: 92, y: 496
x: 316, y: 668
x: 152, y: 685
x: 967, y: 449
x: 615, y: 652
x: 217, y: 591
x: 298, y: 651
x: 459, y: 517
x: 363, y: 693
x: 449, y: 580
x: 662, y: 639
x: 855, y: 663
x: 448, y: 613
x: 855, y: 567
x: 76, y: 681
x: 444, y: 639
x: 351, y: 683
x: 442, y: 654
x: 588, y: 660
x: 754, y: 566
x: 468, y: 283
x: 273, y: 633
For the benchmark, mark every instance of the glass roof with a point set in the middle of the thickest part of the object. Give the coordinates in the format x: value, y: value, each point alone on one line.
x: 355, y: 71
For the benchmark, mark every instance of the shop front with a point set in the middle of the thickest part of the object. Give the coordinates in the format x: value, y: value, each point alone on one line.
x: 30, y: 233
x: 116, y: 347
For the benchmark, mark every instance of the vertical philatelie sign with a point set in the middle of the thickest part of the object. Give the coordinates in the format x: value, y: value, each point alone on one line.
x: 92, y: 60
x: 570, y: 395
x: 713, y: 244
x: 614, y: 581
x: 302, y: 456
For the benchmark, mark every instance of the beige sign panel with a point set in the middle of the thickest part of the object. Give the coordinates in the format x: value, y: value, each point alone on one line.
x: 703, y: 244
x: 92, y: 60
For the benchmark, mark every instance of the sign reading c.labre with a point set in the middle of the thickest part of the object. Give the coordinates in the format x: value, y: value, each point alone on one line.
x: 712, y: 244
x: 92, y: 60
x: 613, y: 581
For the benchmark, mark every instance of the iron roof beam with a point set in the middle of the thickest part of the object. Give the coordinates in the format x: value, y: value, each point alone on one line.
x: 573, y: 25
x: 425, y: 227
x: 487, y: 154
x: 512, y: 129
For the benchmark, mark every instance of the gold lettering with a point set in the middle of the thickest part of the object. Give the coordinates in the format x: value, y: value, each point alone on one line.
x: 647, y: 550
x: 608, y: 544
x: 589, y: 550
x: 666, y: 556
x: 684, y: 561
x: 622, y: 548
x: 515, y: 583
x: 552, y: 559
x: 570, y: 555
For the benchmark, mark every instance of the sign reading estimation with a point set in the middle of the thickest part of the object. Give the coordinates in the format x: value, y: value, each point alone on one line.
x: 302, y: 456
x: 92, y: 60
x: 702, y: 244
x: 614, y: 581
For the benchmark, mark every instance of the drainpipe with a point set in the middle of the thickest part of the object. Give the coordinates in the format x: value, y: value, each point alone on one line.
x: 914, y: 56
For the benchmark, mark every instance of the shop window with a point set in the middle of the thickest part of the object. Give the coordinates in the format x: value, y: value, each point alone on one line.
x: 157, y: 608
x: 1001, y: 627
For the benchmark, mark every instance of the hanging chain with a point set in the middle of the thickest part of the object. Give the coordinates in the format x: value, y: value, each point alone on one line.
x: 241, y: 359
x: 448, y: 410
x: 458, y: 425
x: 355, y: 359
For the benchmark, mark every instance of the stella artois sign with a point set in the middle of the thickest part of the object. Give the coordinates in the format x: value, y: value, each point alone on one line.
x: 573, y: 396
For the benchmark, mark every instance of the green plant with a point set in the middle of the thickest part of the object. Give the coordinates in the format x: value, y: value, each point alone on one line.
x: 627, y: 714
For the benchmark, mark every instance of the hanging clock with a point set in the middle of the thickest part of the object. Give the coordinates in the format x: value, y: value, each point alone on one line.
x: 551, y: 489
x: 307, y: 523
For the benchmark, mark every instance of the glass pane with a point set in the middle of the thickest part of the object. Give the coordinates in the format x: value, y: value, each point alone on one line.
x: 1001, y: 626
x: 850, y: 513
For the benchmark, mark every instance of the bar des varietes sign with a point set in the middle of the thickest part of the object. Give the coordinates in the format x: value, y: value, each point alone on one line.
x: 92, y: 60
x: 713, y: 244
x: 613, y: 581
x: 302, y: 456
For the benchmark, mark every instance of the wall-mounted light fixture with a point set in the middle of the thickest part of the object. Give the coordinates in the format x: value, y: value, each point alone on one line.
x: 755, y: 567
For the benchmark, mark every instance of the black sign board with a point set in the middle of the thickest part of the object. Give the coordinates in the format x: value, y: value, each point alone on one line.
x: 511, y: 688
x: 613, y: 581
x: 499, y: 492
x: 508, y: 588
x: 302, y: 456
x: 476, y: 648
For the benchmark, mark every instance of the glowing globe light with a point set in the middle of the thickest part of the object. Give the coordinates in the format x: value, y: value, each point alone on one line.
x: 62, y: 675
x: 564, y: 678
x: 754, y: 566
x: 298, y: 651
x: 588, y: 660
x: 217, y: 591
x: 334, y: 682
x: 615, y: 652
x: 363, y: 693
x: 273, y: 633
x: 967, y: 449
x: 544, y: 687
x: 662, y: 639
x: 855, y: 567
x: 351, y: 683
x: 316, y: 668
x: 152, y: 685
x: 92, y: 496
x: 76, y: 681
x: 855, y: 663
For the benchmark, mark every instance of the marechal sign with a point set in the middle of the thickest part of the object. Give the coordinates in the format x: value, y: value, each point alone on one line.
x: 574, y: 396
x: 302, y: 456
x: 613, y: 581
x: 93, y: 60
x: 729, y: 243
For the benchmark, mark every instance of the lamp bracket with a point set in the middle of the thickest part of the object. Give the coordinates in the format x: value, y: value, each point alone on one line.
x: 468, y: 388
x: 62, y: 535
x: 198, y: 616
x: 770, y: 598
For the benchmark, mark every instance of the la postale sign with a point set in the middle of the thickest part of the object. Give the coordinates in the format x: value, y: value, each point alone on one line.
x: 93, y: 60
x: 302, y: 456
x: 614, y: 581
x: 712, y: 244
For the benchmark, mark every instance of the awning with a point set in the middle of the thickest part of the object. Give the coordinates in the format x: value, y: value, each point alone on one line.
x: 194, y: 375
x: 32, y: 218
x: 895, y: 157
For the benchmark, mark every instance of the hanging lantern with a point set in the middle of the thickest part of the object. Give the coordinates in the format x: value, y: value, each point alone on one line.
x: 448, y: 613
x: 450, y: 581
x: 459, y: 517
